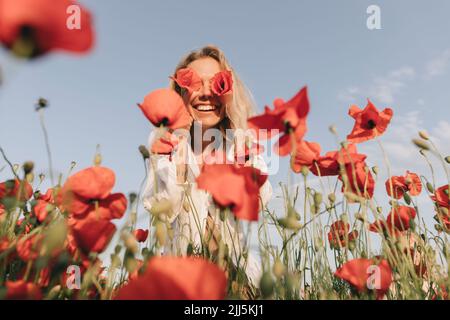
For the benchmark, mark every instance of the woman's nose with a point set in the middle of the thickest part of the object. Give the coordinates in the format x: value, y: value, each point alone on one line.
x: 206, y: 89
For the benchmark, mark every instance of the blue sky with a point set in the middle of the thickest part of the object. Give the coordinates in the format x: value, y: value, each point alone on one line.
x: 276, y: 47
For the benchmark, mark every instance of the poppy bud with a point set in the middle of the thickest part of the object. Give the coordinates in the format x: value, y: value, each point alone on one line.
x: 290, y: 223
x: 186, y: 205
x: 305, y: 171
x: 438, y: 228
x: 278, y: 268
x: 332, y: 129
x: 318, y: 243
x: 421, y: 144
x: 424, y: 135
x: 375, y: 169
x: 430, y: 187
x: 267, y: 285
x: 161, y: 206
x: 443, y: 211
x: 144, y: 152
x: 117, y: 249
x: 352, y: 197
x: 98, y: 160
x: 447, y: 158
x: 130, y: 242
x: 28, y: 167
x: 53, y: 293
x: 344, y: 218
x: 407, y: 198
x: 55, y: 237
x: 160, y: 233
x: 132, y: 197
x: 317, y: 199
x: 332, y: 197
x: 115, y: 261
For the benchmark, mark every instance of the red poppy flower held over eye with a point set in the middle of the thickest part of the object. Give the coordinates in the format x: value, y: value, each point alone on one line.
x: 339, y: 235
x: 164, y: 107
x: 21, y: 290
x: 409, y: 183
x: 243, y: 197
x: 188, y: 79
x: 369, y: 122
x: 222, y: 83
x: 34, y: 27
x: 176, y: 278
x: 141, y: 235
x: 367, y: 274
x: 289, y: 118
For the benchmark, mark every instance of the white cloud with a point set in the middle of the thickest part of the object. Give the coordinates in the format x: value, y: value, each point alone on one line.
x: 381, y: 88
x: 438, y: 65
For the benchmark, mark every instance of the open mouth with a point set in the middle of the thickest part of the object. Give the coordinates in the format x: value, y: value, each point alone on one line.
x: 205, y: 107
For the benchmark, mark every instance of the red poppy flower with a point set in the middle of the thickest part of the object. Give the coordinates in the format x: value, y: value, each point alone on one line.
x: 441, y: 196
x: 369, y: 122
x: 367, y: 274
x: 43, y: 26
x: 40, y: 209
x: 329, y: 164
x: 360, y: 180
x: 339, y: 235
x: 188, y: 79
x: 141, y: 235
x: 243, y: 155
x: 165, y: 107
x: 89, y: 191
x: 6, y: 244
x: 289, y: 118
x: 306, y: 154
x: 164, y: 145
x: 20, y: 190
x: 92, y: 234
x: 243, y: 197
x: 27, y: 227
x: 397, y: 221
x: 222, y: 83
x: 21, y: 290
x: 28, y: 247
x: 409, y: 183
x: 176, y: 278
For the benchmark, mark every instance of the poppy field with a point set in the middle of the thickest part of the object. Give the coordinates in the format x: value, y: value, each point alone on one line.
x: 319, y: 247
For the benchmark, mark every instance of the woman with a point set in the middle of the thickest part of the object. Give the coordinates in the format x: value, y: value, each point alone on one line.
x: 172, y: 177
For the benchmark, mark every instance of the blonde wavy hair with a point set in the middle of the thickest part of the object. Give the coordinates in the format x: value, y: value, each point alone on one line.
x: 242, y: 105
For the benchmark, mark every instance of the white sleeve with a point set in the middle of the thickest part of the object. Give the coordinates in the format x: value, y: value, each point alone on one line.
x: 265, y: 192
x: 162, y: 184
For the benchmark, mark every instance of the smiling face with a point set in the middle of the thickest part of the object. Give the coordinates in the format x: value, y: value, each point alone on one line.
x: 202, y: 104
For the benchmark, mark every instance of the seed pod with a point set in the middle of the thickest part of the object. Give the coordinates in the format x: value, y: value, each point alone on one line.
x: 447, y: 158
x: 28, y: 167
x: 290, y: 223
x: 98, y: 160
x: 344, y: 217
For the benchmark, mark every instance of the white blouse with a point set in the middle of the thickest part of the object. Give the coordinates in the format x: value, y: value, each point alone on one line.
x: 185, y: 224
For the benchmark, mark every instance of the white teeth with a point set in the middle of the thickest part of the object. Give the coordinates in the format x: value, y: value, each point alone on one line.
x: 205, y: 108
